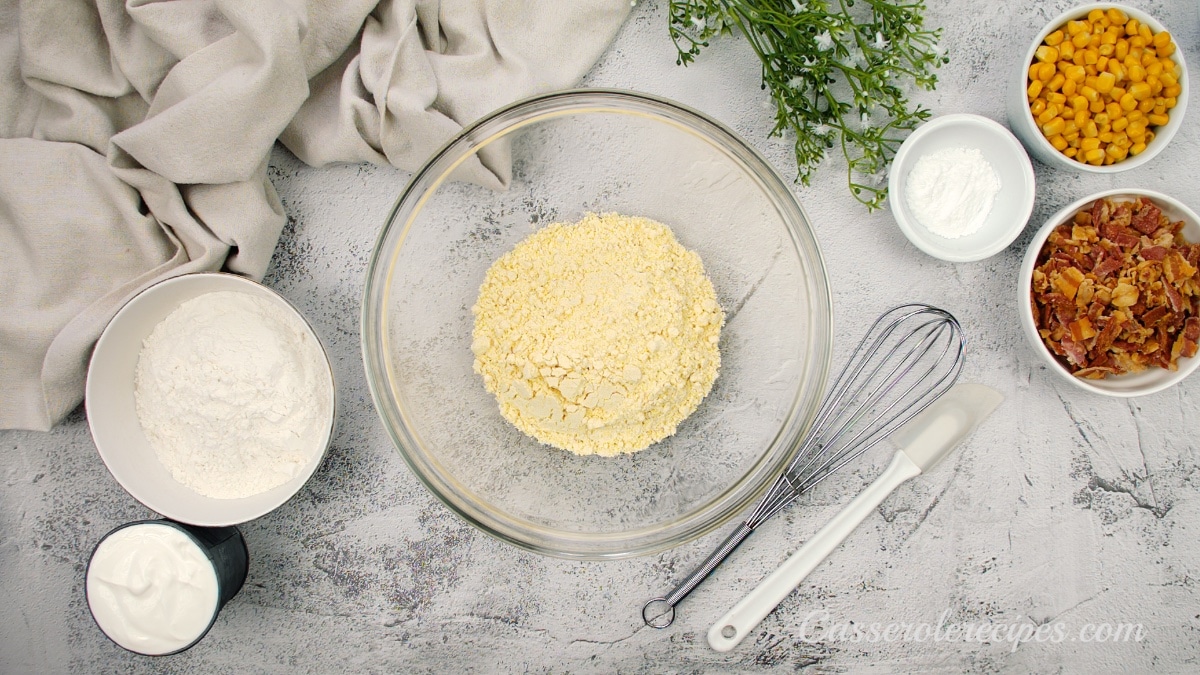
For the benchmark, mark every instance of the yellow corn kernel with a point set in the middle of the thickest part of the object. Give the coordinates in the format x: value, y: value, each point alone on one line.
x: 1102, y: 118
x: 1082, y: 119
x: 1058, y: 142
x: 1155, y: 69
x: 1122, y: 50
x: 1095, y: 16
x: 1149, y: 136
x: 1070, y: 152
x: 1096, y: 106
x: 1172, y: 91
x: 1114, y: 110
x: 1066, y: 51
x: 1069, y: 88
x: 1091, y: 94
x: 1045, y: 71
x: 1054, y: 127
x: 1114, y: 151
x: 1169, y: 101
x: 1167, y: 79
x: 1136, y: 73
x: 1094, y: 156
x: 1162, y: 39
x: 1116, y: 70
x: 1145, y: 34
x: 1080, y: 40
x: 1105, y: 137
x: 1106, y: 51
x: 1148, y: 57
x: 1079, y: 73
x: 1075, y: 27
x: 1136, y: 129
x: 1072, y: 137
x: 1090, y: 56
x: 1116, y: 93
x: 1034, y: 89
x: 1089, y: 129
x: 1055, y: 97
x: 1120, y: 123
x: 1131, y: 27
x: 1091, y: 80
x: 1037, y: 106
x: 1079, y: 103
x: 1134, y: 115
x: 1054, y: 38
x: 1136, y: 44
x: 1137, y: 148
x: 1138, y: 91
x: 1069, y: 126
x: 1156, y: 86
x: 1102, y: 62
x: 1146, y: 106
x: 1046, y: 54
x: 1106, y: 81
x: 1056, y: 82
x: 1089, y: 144
x: 1117, y: 17
x: 1094, y: 41
x: 1167, y: 49
x: 1157, y: 120
x: 1121, y: 139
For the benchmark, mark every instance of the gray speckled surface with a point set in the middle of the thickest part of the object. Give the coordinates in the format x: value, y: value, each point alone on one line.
x: 1065, y: 507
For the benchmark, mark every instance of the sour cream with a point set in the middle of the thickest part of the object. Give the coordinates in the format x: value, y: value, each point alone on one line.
x: 152, y: 589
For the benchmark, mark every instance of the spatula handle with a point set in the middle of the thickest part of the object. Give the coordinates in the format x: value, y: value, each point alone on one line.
x: 732, y: 628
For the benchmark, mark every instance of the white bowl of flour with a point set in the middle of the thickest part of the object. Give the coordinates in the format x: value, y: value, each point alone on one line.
x: 961, y: 188
x: 210, y: 399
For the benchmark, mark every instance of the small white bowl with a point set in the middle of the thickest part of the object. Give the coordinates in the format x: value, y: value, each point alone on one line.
x: 1011, y: 208
x: 1147, y: 381
x: 1026, y: 128
x: 117, y: 431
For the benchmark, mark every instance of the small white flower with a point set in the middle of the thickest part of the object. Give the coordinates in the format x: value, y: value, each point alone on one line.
x: 866, y: 121
x: 698, y: 22
x: 797, y: 8
x: 824, y: 41
x: 821, y: 130
x: 796, y: 82
x: 880, y: 43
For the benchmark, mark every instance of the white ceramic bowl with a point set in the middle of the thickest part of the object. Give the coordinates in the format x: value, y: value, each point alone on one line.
x: 1025, y: 127
x: 113, y: 418
x: 1148, y: 381
x: 1011, y: 208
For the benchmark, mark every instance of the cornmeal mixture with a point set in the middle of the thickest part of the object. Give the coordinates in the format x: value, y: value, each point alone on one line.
x: 598, y: 337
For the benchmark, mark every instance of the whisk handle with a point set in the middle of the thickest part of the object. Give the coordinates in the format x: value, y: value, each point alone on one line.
x: 660, y: 612
x: 732, y: 628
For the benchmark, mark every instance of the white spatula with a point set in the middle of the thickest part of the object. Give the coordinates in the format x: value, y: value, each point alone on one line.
x: 922, y: 443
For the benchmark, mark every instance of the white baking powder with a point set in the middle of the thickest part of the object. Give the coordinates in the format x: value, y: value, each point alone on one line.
x: 951, y: 191
x: 233, y: 393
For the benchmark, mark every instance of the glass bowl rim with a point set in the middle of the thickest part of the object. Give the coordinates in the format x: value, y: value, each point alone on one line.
x: 664, y: 535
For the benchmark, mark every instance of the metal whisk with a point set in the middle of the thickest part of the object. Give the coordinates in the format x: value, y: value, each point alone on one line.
x: 909, y: 357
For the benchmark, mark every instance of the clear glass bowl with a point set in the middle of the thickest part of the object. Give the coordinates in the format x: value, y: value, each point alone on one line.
x: 572, y: 153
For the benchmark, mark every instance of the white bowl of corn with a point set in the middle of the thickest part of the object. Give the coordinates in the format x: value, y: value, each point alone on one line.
x: 1102, y: 88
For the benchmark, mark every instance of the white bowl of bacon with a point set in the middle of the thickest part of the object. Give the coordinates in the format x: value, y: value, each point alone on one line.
x: 1110, y: 292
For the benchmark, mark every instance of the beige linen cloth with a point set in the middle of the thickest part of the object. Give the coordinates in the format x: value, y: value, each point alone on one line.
x: 134, y: 138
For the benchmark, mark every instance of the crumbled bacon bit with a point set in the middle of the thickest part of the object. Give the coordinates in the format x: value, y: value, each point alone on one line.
x: 1117, y: 289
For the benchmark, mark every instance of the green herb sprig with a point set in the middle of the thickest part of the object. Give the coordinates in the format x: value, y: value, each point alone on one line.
x: 834, y: 70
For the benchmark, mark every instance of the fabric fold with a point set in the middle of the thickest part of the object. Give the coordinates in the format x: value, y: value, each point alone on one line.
x: 135, y: 138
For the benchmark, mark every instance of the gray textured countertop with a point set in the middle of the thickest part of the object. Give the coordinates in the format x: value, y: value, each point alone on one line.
x: 1065, y: 508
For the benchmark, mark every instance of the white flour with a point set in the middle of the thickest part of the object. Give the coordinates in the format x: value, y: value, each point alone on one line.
x: 951, y: 191
x: 233, y: 394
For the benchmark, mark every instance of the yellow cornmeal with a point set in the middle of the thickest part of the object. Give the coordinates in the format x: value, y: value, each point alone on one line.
x: 598, y: 337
